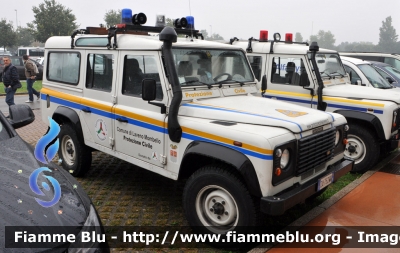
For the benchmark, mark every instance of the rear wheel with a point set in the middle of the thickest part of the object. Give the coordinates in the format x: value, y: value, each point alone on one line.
x: 216, y: 201
x: 363, y: 147
x: 75, y: 155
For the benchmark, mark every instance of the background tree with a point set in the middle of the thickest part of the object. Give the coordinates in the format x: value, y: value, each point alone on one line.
x: 362, y: 46
x: 52, y: 19
x: 324, y: 39
x: 298, y: 37
x: 169, y: 22
x: 205, y: 34
x: 24, y: 36
x: 112, y: 17
x: 387, y: 36
x: 8, y: 37
x: 216, y: 36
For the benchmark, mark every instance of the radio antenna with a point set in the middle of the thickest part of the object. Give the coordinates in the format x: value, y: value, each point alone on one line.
x: 191, y: 27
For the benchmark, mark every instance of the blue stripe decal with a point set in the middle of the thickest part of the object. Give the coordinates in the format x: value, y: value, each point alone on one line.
x: 244, y: 151
x: 333, y: 119
x: 153, y: 127
x: 329, y: 104
x: 80, y: 107
x: 143, y: 124
x: 247, y: 113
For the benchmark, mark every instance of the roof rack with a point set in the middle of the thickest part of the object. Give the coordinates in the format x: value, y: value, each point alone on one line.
x: 249, y: 48
x: 130, y: 29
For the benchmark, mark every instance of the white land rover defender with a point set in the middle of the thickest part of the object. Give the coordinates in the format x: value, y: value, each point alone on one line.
x: 182, y: 108
x: 313, y: 77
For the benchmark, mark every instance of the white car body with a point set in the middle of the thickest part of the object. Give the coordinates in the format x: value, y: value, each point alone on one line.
x: 338, y: 95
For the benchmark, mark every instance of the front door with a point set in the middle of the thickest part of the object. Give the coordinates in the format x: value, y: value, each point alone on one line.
x: 287, y: 74
x: 139, y: 126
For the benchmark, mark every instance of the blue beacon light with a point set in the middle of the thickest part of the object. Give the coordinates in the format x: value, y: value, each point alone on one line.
x: 126, y: 16
x: 190, y: 22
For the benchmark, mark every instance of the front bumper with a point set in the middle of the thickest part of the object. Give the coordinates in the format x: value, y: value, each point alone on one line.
x: 279, y: 203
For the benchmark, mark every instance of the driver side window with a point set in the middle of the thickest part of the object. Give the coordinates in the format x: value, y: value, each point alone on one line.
x: 137, y: 68
x: 288, y: 70
x: 354, y: 76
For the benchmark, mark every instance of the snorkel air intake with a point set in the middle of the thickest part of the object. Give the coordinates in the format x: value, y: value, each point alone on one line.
x: 169, y: 36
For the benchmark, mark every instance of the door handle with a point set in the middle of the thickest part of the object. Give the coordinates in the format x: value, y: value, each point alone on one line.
x: 86, y: 110
x: 122, y: 120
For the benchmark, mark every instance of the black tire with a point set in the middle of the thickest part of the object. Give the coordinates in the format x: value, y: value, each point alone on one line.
x: 363, y: 147
x: 75, y: 155
x: 213, y: 191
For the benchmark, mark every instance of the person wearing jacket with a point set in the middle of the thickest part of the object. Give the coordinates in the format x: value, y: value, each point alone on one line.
x: 10, y: 80
x: 30, y: 75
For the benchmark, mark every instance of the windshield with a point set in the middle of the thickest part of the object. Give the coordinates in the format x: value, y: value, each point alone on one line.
x: 374, y: 77
x: 330, y: 66
x: 208, y: 66
x: 392, y: 71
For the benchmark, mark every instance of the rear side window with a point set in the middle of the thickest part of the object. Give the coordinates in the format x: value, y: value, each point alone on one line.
x: 64, y: 67
x: 99, y: 72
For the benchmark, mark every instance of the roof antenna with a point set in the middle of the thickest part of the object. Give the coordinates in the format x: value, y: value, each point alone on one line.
x: 192, y: 26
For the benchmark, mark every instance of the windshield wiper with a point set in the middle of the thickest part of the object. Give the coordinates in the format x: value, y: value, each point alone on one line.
x: 323, y: 72
x: 198, y: 81
x: 229, y: 81
x: 337, y: 73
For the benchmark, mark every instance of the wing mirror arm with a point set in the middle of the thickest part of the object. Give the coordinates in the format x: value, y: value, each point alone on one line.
x: 312, y: 91
x: 149, y: 94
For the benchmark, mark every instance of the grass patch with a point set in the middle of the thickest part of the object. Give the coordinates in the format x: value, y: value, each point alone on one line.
x: 36, y: 85
x: 279, y: 222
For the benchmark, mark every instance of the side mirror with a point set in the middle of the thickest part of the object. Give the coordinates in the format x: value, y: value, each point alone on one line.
x: 304, y: 80
x: 390, y: 80
x: 148, y: 89
x: 264, y: 84
x: 20, y: 115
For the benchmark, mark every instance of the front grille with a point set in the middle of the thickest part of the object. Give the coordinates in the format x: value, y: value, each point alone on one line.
x: 315, y: 150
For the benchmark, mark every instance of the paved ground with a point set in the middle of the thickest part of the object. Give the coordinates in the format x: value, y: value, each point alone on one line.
x: 18, y: 99
x: 123, y: 194
x: 370, y: 204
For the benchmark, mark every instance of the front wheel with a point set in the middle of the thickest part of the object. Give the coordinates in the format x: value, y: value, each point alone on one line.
x: 75, y: 155
x: 363, y: 147
x: 216, y: 201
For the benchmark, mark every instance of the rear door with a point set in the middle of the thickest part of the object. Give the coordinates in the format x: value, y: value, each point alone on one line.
x: 99, y: 96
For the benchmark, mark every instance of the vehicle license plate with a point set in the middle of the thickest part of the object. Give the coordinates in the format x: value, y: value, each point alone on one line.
x: 325, y: 181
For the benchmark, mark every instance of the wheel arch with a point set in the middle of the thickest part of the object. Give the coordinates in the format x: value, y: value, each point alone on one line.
x: 200, y: 153
x: 63, y: 115
x: 364, y: 118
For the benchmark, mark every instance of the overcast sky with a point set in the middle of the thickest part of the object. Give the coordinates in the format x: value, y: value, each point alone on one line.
x: 348, y: 20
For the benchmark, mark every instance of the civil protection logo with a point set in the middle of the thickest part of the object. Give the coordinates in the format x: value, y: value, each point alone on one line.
x: 51, y: 151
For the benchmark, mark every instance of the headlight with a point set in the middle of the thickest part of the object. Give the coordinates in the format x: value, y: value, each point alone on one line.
x: 337, y: 137
x: 283, y: 162
x: 285, y: 158
x: 92, y: 224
